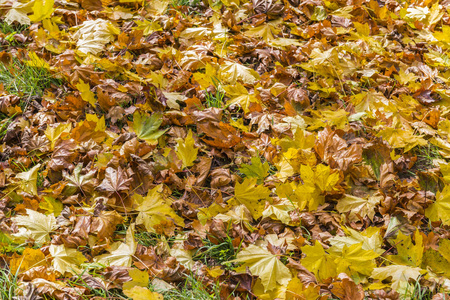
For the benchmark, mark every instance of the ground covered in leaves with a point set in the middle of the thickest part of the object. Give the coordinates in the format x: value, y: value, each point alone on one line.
x: 201, y: 149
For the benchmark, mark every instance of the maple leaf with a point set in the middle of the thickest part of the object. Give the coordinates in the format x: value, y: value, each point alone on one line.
x: 354, y: 260
x: 35, y: 226
x: 358, y: 207
x: 30, y: 258
x: 66, y: 260
x: 400, y: 275
x: 154, y: 208
x: 370, y: 239
x: 76, y: 181
x: 318, y: 261
x: 407, y: 252
x: 42, y: 9
x: 440, y: 209
x: 93, y: 35
x: 230, y: 72
x: 120, y: 254
x: 86, y: 93
x: 142, y: 293
x: 240, y: 96
x: 53, y: 133
x: 115, y: 181
x: 28, y: 179
x: 265, y: 265
x: 253, y: 197
x: 146, y: 127
x: 257, y: 169
x: 186, y: 150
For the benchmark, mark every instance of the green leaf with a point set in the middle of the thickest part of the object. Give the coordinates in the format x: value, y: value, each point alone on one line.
x: 146, y: 127
x: 257, y: 169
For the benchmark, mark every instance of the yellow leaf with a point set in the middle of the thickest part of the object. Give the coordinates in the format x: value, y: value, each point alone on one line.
x: 358, y: 207
x: 54, y: 133
x: 318, y: 261
x: 42, y: 9
x: 253, y: 197
x: 138, y: 278
x: 29, y: 259
x: 36, y: 61
x: 51, y: 205
x: 141, y: 293
x: 354, y: 260
x: 186, y: 150
x: 86, y: 93
x: 240, y: 96
x: 265, y: 265
x: 440, y: 209
x: 35, y: 226
x: 28, y: 180
x: 154, y: 208
x: 120, y: 254
x: 230, y: 72
x: 407, y: 252
x: 399, y: 276
x: 66, y: 260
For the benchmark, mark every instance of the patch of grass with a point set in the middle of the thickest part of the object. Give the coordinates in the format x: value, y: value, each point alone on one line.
x: 25, y: 81
x: 215, y: 99
x: 8, y: 284
x: 425, y: 156
x: 418, y: 292
x: 217, y: 254
x: 191, y: 289
x: 96, y: 292
x: 4, y: 123
x: 14, y: 28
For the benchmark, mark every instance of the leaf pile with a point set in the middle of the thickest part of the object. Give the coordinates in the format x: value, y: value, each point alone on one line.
x: 278, y: 149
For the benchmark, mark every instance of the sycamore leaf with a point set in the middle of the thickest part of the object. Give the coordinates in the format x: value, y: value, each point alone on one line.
x: 35, y: 226
x: 146, y: 127
x: 42, y: 9
x: 66, y: 260
x: 86, y: 93
x: 253, y: 197
x: 186, y: 150
x: 154, y: 208
x: 265, y: 265
x: 399, y: 275
x: 28, y: 179
x: 120, y: 254
x: 142, y: 293
x: 257, y: 169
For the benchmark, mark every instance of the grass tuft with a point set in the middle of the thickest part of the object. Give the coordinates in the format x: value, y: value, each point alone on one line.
x: 25, y: 81
x: 192, y: 288
x: 8, y: 284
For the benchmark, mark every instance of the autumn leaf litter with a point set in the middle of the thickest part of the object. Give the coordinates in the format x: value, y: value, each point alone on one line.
x: 225, y: 149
